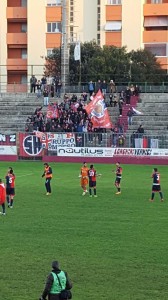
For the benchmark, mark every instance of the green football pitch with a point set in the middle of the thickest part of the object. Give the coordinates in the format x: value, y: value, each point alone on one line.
x: 113, y: 247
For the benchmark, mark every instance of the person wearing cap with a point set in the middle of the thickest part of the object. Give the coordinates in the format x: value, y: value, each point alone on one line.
x: 2, y: 197
x: 84, y: 178
x: 48, y: 176
x: 56, y: 282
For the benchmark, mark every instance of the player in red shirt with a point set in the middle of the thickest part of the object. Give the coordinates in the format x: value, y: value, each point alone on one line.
x: 156, y: 185
x: 118, y: 173
x: 92, y: 180
x: 10, y: 187
x: 2, y: 197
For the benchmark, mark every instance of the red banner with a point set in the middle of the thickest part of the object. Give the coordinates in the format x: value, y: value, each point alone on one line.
x: 52, y: 111
x: 98, y: 111
x: 29, y: 145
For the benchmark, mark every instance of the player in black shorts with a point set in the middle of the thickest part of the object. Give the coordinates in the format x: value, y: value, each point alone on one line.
x: 156, y: 188
x: 118, y: 173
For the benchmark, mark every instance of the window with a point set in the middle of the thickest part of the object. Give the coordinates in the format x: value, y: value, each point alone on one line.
x: 98, y: 39
x: 23, y: 79
x: 113, y: 26
x: 53, y: 2
x: 98, y: 2
x: 54, y: 27
x: 24, y: 3
x: 157, y: 49
x: 49, y: 52
x: 24, y: 53
x: 114, y: 2
x: 156, y: 1
x: 24, y: 27
x: 156, y: 21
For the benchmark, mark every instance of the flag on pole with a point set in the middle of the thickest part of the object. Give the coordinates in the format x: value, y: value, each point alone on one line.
x: 77, y: 51
x: 98, y: 111
x: 52, y: 112
x: 136, y: 112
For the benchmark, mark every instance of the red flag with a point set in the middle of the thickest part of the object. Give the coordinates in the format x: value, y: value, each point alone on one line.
x: 45, y: 138
x: 52, y: 112
x: 98, y: 111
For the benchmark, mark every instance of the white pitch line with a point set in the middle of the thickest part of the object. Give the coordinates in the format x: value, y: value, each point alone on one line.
x: 25, y: 175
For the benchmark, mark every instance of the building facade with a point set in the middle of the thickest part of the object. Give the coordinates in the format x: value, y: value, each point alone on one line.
x: 30, y: 29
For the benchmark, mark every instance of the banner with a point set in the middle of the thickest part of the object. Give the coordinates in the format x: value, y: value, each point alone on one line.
x: 62, y: 140
x: 85, y: 151
x: 98, y: 111
x: 8, y: 144
x: 29, y: 145
x: 52, y: 111
x: 8, y: 150
x: 77, y: 52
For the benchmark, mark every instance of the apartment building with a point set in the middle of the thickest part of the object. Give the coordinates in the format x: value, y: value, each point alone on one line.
x: 30, y: 29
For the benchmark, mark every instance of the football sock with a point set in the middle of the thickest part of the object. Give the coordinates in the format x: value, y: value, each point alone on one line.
x: 94, y: 191
x: 11, y: 203
x: 90, y: 191
x: 161, y: 195
x: 119, y: 190
x: 7, y: 199
x: 3, y: 208
x: 152, y: 197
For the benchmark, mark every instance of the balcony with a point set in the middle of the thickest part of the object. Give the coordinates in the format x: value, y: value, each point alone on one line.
x: 16, y: 13
x: 113, y: 39
x: 159, y: 36
x: 16, y: 64
x: 54, y: 14
x: 156, y: 9
x: 53, y: 40
x: 113, y: 12
x: 16, y: 38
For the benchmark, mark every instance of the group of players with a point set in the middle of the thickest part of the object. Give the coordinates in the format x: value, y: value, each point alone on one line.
x: 88, y: 175
x: 7, y: 192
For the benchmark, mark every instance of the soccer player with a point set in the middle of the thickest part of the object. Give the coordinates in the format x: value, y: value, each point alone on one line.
x: 48, y: 176
x: 92, y: 181
x: 2, y: 197
x: 10, y: 187
x: 156, y: 185
x: 84, y: 178
x: 118, y: 173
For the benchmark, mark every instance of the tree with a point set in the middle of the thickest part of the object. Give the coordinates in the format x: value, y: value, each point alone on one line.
x: 106, y: 63
x: 53, y: 63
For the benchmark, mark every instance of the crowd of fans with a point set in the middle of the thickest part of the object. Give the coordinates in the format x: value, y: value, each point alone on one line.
x: 72, y: 116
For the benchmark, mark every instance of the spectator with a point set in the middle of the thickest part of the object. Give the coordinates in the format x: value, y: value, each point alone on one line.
x: 99, y: 85
x: 43, y: 83
x: 128, y: 95
x: 59, y: 88
x: 130, y: 113
x: 91, y: 87
x: 38, y: 86
x: 33, y: 81
x: 121, y: 141
x: 104, y: 88
x: 120, y: 105
x: 112, y: 87
x: 46, y: 99
x: 140, y: 131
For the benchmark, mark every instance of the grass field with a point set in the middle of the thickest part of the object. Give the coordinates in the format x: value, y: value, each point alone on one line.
x: 113, y: 247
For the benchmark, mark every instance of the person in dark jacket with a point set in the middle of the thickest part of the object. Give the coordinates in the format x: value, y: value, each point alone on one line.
x: 56, y: 281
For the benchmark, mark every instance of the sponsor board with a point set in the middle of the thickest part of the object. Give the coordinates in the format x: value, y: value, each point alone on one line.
x: 8, y: 150
x: 110, y: 152
x: 85, y: 151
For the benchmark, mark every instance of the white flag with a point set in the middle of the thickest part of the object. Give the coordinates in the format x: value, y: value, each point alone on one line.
x: 136, y: 112
x: 77, y: 51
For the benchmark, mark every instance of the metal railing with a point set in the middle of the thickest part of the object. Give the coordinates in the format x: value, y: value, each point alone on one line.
x: 145, y: 87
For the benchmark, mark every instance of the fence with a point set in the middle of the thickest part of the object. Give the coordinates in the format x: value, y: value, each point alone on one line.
x: 145, y: 87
